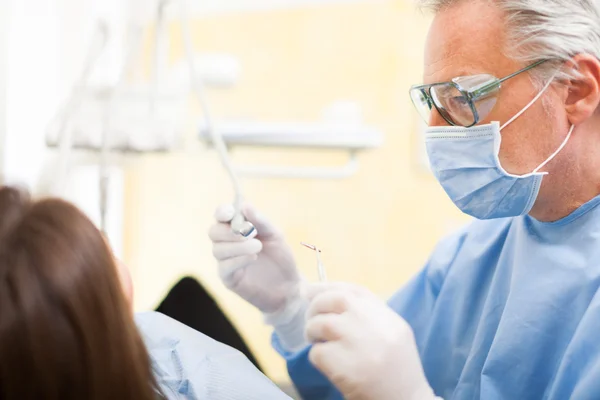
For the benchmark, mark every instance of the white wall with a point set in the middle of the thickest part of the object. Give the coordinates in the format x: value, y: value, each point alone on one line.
x: 32, y: 88
x: 4, y: 18
x: 41, y: 54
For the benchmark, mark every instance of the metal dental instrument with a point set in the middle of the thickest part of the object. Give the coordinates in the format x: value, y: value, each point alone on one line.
x: 320, y: 267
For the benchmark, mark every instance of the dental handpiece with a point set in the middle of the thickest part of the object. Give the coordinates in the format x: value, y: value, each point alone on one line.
x: 320, y: 267
x: 240, y: 226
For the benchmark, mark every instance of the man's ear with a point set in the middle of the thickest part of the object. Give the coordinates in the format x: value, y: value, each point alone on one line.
x: 583, y: 95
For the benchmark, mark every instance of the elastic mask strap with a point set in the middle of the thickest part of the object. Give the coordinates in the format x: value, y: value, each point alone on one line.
x: 536, y: 98
x: 562, y: 146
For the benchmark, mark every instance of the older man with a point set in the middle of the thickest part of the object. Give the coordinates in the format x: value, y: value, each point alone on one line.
x: 509, y: 307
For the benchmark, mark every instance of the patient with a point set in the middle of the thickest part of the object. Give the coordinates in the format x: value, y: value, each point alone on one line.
x: 67, y: 330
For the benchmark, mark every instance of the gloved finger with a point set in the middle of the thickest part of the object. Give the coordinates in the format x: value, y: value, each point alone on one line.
x: 326, y: 328
x: 264, y: 227
x: 222, y: 232
x: 328, y: 357
x: 224, y: 213
x: 227, y: 250
x: 313, y: 290
x: 228, y: 267
x: 330, y: 302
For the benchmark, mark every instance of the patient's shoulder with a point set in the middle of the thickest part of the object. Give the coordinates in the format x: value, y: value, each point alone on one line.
x: 159, y: 330
x: 187, y: 362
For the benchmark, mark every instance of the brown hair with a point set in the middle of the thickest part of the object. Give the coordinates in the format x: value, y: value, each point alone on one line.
x: 66, y: 331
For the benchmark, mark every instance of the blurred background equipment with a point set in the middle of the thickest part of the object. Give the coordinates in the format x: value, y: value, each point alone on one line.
x: 96, y: 104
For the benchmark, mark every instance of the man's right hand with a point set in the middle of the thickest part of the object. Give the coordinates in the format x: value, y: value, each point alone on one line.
x: 261, y: 268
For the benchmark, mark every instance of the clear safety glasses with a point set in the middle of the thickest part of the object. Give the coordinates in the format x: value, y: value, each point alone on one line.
x: 464, y: 101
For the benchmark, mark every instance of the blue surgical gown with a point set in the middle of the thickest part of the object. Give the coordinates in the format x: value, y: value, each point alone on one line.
x: 504, y: 309
x: 189, y: 365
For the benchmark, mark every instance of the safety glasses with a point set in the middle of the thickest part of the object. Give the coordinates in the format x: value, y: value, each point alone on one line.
x: 464, y: 101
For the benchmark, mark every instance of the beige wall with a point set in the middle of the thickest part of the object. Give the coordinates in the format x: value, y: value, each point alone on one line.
x: 376, y: 228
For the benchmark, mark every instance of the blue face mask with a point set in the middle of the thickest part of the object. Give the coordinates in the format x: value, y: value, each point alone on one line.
x: 465, y: 162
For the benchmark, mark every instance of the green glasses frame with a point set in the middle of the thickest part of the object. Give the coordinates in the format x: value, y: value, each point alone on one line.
x: 470, y: 94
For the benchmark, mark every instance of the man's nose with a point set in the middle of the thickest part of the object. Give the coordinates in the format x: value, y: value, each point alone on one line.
x: 436, y: 119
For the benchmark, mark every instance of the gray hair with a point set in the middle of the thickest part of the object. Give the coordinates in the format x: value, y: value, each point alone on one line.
x: 555, y: 30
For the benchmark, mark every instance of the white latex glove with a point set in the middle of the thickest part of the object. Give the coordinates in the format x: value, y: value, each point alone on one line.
x: 261, y: 269
x: 362, y: 346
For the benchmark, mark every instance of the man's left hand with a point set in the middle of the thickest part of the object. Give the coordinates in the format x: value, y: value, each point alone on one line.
x: 362, y: 346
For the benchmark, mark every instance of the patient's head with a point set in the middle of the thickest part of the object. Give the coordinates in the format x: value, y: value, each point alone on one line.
x: 66, y: 329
